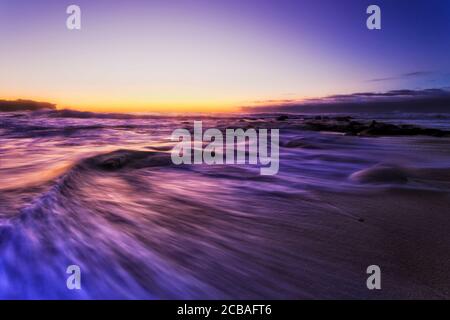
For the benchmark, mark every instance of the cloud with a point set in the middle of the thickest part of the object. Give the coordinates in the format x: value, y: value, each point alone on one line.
x: 426, y: 100
x: 24, y: 105
x: 403, y: 76
x: 274, y: 101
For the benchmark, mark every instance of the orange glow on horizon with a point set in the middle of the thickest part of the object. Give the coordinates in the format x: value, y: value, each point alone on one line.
x: 180, y: 105
x: 124, y: 107
x: 127, y: 106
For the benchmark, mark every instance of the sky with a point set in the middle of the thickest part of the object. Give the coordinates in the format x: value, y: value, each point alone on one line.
x: 217, y: 55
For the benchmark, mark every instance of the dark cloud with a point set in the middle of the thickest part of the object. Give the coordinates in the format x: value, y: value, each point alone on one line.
x: 427, y: 100
x: 24, y: 105
x: 274, y: 101
x: 404, y: 76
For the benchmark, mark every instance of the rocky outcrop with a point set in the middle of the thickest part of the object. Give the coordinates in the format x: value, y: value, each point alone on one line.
x: 24, y: 105
x: 350, y: 127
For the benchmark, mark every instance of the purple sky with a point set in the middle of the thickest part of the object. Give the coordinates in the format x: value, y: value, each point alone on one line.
x: 215, y: 55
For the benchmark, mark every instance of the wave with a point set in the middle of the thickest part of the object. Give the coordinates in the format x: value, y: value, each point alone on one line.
x: 62, y: 227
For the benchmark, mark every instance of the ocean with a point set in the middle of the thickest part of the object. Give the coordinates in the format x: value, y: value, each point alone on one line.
x: 144, y: 228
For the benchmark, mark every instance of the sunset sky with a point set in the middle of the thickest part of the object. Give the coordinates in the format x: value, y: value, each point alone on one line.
x: 211, y: 55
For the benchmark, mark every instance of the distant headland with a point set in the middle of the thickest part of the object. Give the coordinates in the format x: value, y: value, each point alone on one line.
x: 24, y: 105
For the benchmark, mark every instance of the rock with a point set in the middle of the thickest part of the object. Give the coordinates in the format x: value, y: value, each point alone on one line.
x: 282, y: 118
x: 374, y: 128
x: 381, y: 174
x: 130, y: 159
x: 345, y: 119
x: 113, y: 163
